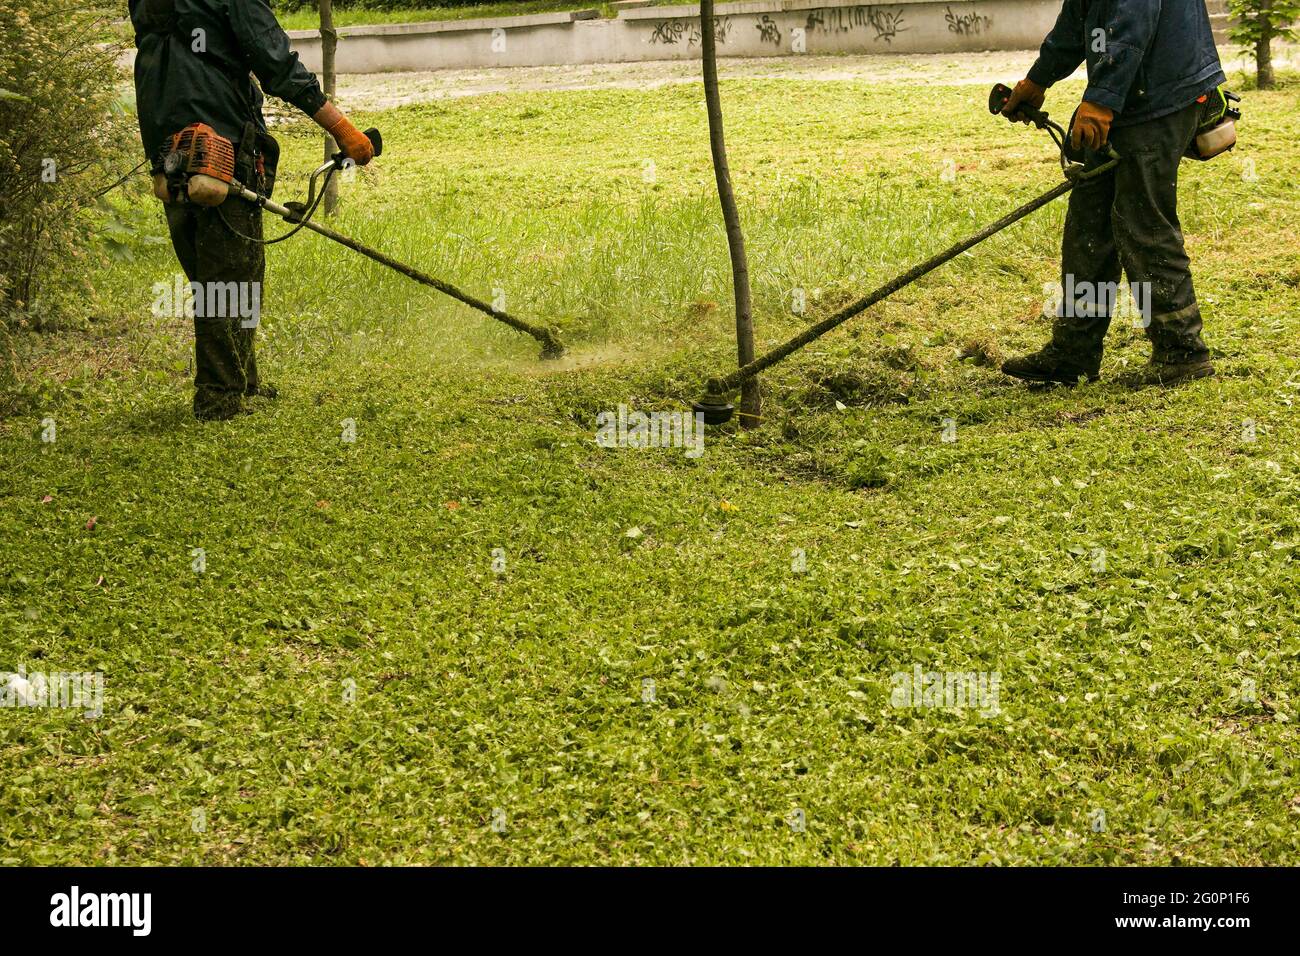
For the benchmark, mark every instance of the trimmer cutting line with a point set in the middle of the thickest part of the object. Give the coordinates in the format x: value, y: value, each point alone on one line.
x: 200, y: 168
x: 714, y: 405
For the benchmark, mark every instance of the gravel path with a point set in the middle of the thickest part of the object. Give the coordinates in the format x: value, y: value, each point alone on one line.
x: 386, y: 90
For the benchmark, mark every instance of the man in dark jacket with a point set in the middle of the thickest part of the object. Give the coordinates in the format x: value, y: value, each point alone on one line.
x: 193, y: 65
x: 1153, y: 76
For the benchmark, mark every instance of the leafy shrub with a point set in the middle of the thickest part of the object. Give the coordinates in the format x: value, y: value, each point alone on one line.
x: 63, y: 138
x: 1256, y: 23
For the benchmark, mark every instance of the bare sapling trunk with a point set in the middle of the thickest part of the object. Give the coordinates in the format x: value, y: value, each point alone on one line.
x: 1264, y: 49
x: 329, y: 48
x: 750, y: 395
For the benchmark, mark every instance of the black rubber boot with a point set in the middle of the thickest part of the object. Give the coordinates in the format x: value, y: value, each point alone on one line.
x: 1049, y: 366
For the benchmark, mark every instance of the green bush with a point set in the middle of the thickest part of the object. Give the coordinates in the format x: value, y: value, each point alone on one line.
x: 63, y: 137
x: 1256, y: 23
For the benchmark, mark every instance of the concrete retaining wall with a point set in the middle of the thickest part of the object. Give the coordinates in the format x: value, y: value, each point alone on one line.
x: 644, y: 32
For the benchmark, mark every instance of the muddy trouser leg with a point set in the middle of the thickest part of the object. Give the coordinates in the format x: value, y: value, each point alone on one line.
x: 227, y: 269
x: 247, y: 218
x: 1149, y: 236
x: 1089, y: 262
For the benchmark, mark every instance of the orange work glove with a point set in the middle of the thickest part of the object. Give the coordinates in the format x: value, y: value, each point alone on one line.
x: 1091, y: 125
x: 351, y: 140
x: 1027, y: 93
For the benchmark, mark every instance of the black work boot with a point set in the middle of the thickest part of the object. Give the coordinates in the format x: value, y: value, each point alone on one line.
x: 210, y: 406
x: 1172, y: 372
x: 1050, y: 365
x: 259, y: 396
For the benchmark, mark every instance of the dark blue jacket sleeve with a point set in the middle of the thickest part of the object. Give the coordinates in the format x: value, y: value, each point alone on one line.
x: 1063, y: 50
x: 1130, y: 28
x: 266, y: 48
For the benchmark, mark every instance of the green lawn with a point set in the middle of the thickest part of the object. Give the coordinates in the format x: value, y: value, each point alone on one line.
x: 351, y: 680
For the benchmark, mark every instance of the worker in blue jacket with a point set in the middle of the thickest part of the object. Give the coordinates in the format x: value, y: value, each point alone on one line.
x: 1153, y: 80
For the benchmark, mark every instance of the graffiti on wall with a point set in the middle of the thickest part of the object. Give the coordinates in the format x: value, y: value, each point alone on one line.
x: 967, y: 24
x: 885, y: 22
x: 768, y: 31
x: 672, y: 32
x: 881, y: 24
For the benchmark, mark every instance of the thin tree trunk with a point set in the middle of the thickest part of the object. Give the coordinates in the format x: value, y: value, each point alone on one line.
x: 750, y: 394
x: 329, y: 48
x: 1264, y: 49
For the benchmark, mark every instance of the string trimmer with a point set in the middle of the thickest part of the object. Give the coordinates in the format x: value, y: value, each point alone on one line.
x: 200, y: 168
x: 715, y: 404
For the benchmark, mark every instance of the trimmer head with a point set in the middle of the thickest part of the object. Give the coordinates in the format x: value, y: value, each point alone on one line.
x: 552, y: 347
x: 715, y: 408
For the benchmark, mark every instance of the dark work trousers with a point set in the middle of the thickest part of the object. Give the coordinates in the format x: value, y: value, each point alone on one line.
x: 1129, y: 218
x: 224, y: 360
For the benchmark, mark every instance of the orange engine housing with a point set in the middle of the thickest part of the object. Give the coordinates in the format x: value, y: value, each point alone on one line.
x: 207, y: 152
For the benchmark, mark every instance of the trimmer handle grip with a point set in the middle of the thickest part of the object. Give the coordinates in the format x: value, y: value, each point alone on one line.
x: 376, y: 141
x: 998, y: 97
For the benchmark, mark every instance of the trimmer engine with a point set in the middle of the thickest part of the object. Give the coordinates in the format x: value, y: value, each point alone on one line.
x: 199, y: 167
x: 1218, y: 134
